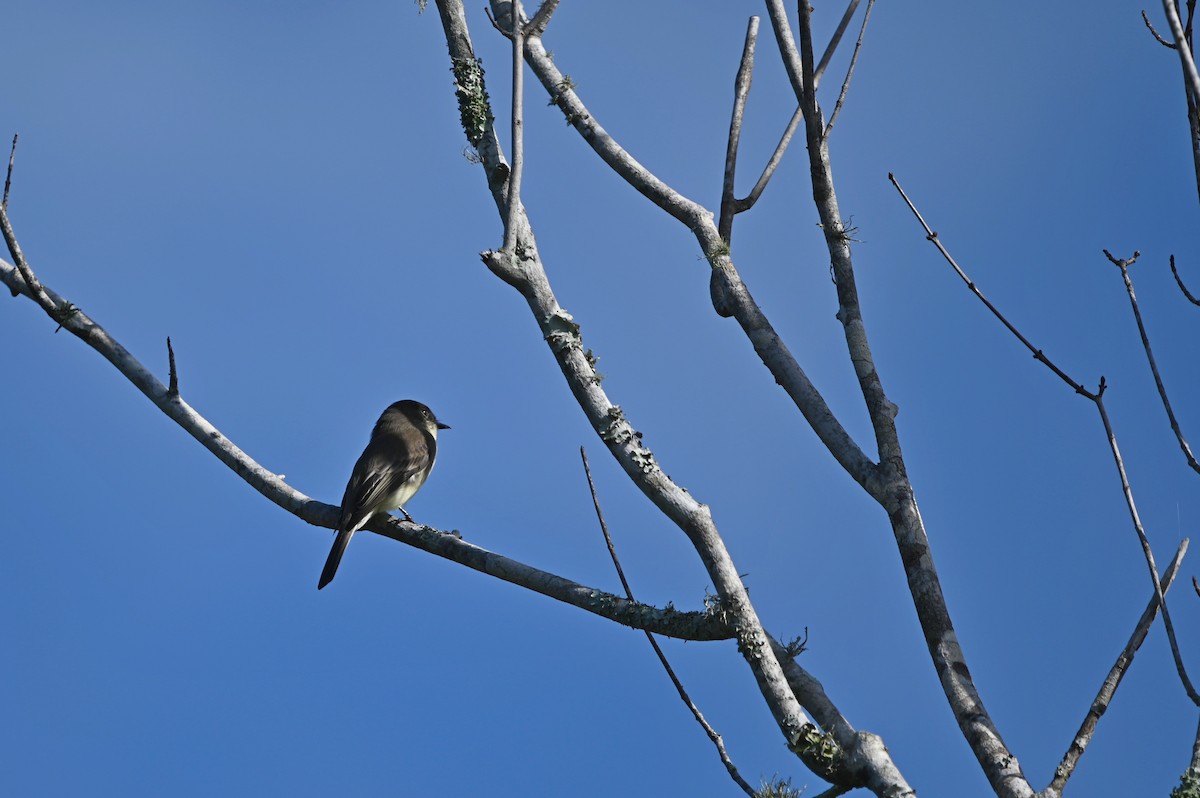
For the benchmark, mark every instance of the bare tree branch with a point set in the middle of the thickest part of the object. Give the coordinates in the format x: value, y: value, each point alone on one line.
x: 1155, y: 33
x: 1000, y: 765
x: 1182, y: 287
x: 669, y: 622
x: 1124, y: 265
x: 729, y: 205
x: 768, y: 171
x: 1111, y: 682
x: 12, y: 156
x: 849, y: 70
x: 537, y: 26
x: 1146, y: 549
x: 523, y: 269
x: 1186, y: 61
x: 1098, y: 399
x: 658, y: 652
x: 1038, y: 355
x: 731, y: 296
x: 787, y: 44
x: 836, y: 40
x: 518, y: 125
x: 741, y: 89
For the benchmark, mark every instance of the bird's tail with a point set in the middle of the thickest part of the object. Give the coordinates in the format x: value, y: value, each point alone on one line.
x: 335, y: 556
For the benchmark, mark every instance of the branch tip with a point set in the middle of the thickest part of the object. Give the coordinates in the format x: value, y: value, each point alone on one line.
x: 173, y: 386
x: 12, y: 155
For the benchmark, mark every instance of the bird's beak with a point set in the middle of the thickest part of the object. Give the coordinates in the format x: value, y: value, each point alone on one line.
x: 440, y: 425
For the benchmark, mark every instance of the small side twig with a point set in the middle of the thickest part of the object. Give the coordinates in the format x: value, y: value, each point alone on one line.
x: 841, y: 100
x: 1158, y: 37
x: 173, y: 385
x: 932, y: 237
x: 1182, y: 287
x: 683, y: 694
x: 1123, y: 265
x: 1113, y: 680
x: 12, y: 155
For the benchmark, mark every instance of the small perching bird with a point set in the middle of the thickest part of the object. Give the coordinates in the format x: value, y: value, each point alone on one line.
x: 391, y: 470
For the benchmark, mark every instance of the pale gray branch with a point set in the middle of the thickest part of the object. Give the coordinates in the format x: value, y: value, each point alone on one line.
x: 524, y: 270
x: 1111, y: 682
x: 731, y: 296
x: 671, y: 623
x: 1187, y: 62
x: 1162, y: 390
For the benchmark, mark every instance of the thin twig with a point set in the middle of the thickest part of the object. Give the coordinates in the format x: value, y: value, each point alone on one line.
x: 32, y: 286
x: 741, y: 90
x: 1123, y: 265
x: 1155, y: 33
x: 1098, y: 399
x: 1109, y: 687
x: 747, y: 202
x: 518, y: 136
x: 937, y: 242
x: 850, y: 70
x: 1147, y: 552
x: 173, y: 386
x: 835, y: 40
x: 1182, y: 287
x: 12, y: 154
x: 683, y: 694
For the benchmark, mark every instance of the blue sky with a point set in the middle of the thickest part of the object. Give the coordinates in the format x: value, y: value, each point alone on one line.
x: 281, y: 188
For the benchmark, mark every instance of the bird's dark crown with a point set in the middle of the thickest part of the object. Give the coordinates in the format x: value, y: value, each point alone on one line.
x: 416, y: 412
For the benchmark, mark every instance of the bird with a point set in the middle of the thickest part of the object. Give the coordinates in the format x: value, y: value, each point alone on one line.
x: 390, y: 471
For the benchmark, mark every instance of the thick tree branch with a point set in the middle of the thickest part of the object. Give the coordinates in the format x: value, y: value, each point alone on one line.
x: 562, y: 334
x: 1186, y: 61
x: 522, y: 268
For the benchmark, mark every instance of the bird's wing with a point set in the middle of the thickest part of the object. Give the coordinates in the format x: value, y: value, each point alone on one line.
x: 373, y: 480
